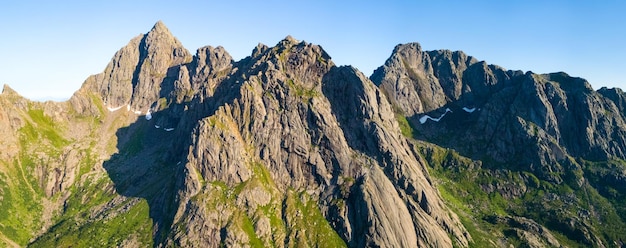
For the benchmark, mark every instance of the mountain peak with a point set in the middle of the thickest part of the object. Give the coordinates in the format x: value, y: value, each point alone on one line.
x: 159, y: 29
x: 159, y: 26
x: 8, y: 90
x: 136, y: 72
x: 413, y: 46
x: 288, y: 41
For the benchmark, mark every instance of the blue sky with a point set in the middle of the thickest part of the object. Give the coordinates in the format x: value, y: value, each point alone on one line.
x: 48, y: 48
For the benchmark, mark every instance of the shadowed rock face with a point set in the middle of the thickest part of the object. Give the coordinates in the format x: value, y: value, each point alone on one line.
x: 556, y: 113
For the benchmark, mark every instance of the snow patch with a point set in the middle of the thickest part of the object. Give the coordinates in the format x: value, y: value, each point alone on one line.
x: 425, y: 118
x: 469, y: 110
x: 148, y: 115
x: 114, y: 109
x: 128, y: 107
x: 169, y: 129
x: 137, y: 112
x: 157, y: 126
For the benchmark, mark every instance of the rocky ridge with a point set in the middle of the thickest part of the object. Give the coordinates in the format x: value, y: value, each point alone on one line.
x: 283, y: 148
x: 287, y: 90
x: 551, y: 125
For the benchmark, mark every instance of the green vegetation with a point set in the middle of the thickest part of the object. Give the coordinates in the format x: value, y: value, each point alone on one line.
x: 116, y: 227
x: 42, y: 128
x: 98, y: 103
x: 135, y: 144
x: 87, y: 221
x: 301, y: 91
x: 261, y: 174
x: 303, y: 215
x: 21, y: 191
x: 296, y: 217
x: 405, y: 126
x: 462, y: 183
x: 162, y: 103
x: 248, y: 228
x: 42, y: 145
x: 20, y: 204
x: 321, y: 60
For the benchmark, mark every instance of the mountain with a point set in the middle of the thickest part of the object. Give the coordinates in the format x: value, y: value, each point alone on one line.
x: 548, y: 145
x: 167, y: 148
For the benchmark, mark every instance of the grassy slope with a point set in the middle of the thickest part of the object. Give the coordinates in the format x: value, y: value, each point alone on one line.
x: 461, y: 181
x: 41, y: 142
x: 21, y: 206
x: 87, y: 219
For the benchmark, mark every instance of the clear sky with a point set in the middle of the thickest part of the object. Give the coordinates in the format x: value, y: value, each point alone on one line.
x: 48, y: 48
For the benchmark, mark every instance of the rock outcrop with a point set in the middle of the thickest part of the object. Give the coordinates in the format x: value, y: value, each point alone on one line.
x: 502, y: 110
x: 140, y: 73
x: 295, y: 117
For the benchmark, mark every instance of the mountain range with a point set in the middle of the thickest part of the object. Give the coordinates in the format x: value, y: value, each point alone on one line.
x: 283, y: 148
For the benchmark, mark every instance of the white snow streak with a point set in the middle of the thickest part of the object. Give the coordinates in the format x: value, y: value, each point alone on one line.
x: 148, y: 115
x: 157, y: 126
x: 425, y: 118
x: 114, y: 109
x: 169, y: 129
x: 469, y: 110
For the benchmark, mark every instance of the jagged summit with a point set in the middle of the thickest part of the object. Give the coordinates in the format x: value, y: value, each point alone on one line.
x: 159, y: 26
x: 160, y: 33
x: 411, y: 45
x: 290, y: 39
x: 568, y: 81
x: 7, y: 90
x: 287, y: 42
x: 259, y: 49
x: 141, y: 72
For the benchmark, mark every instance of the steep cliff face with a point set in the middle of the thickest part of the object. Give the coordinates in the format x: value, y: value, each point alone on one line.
x: 302, y: 126
x: 140, y: 73
x: 501, y: 110
x: 548, y: 125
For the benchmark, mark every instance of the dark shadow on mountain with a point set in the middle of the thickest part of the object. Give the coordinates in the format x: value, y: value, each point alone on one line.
x: 345, y: 91
x: 475, y: 130
x: 152, y: 153
x: 486, y: 128
x: 146, y: 167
